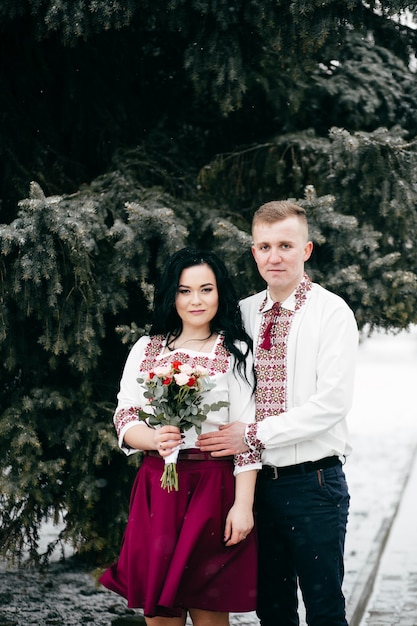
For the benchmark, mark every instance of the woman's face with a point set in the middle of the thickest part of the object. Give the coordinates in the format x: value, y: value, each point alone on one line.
x: 197, y: 298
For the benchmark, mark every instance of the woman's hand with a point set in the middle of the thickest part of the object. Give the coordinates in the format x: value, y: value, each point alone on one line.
x: 166, y: 439
x: 239, y: 523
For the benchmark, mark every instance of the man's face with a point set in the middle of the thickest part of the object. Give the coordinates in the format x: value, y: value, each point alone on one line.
x: 280, y: 250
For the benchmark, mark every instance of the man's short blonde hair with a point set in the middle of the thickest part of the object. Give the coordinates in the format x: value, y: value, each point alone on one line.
x: 278, y: 210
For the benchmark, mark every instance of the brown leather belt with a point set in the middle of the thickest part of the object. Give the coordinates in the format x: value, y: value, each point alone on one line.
x: 185, y: 455
x: 273, y: 473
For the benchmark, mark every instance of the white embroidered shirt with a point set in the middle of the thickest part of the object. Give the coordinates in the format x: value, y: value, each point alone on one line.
x: 230, y: 387
x: 316, y: 375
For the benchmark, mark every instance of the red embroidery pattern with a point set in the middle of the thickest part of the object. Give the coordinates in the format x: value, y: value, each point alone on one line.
x: 125, y: 416
x: 217, y: 363
x: 271, y: 365
x: 247, y: 458
x: 255, y: 444
x: 302, y: 290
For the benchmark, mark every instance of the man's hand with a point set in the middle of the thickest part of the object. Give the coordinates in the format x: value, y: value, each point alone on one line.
x: 224, y: 442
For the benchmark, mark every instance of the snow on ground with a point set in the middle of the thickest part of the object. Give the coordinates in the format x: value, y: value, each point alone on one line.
x: 383, y: 424
x: 383, y: 421
x: 386, y: 385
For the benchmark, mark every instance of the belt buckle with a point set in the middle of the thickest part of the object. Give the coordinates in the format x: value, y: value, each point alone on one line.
x: 275, y: 472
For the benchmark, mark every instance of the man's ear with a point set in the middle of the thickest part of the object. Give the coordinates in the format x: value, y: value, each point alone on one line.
x: 308, y: 250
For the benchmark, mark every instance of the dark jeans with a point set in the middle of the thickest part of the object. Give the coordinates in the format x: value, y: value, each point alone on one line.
x: 301, y: 523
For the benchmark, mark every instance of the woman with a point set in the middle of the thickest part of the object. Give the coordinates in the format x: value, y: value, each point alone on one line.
x: 191, y: 550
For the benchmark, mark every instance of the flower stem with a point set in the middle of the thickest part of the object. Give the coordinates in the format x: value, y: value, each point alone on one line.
x: 169, y: 478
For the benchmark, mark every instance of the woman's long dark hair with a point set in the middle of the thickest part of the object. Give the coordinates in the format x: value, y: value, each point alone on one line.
x: 228, y: 319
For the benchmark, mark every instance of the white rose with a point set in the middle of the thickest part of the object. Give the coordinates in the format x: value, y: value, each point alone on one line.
x: 181, y: 379
x: 162, y: 370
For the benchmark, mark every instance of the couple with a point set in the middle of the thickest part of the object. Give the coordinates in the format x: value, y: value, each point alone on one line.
x: 195, y: 550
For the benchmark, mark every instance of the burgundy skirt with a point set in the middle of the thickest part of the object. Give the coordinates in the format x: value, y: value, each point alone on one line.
x: 173, y: 555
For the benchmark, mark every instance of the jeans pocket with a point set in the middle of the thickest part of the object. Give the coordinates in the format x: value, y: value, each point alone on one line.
x: 332, y: 483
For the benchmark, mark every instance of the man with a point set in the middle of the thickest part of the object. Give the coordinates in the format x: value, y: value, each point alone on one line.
x: 305, y: 343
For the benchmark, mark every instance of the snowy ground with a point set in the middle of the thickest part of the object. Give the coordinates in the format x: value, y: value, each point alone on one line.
x: 383, y: 424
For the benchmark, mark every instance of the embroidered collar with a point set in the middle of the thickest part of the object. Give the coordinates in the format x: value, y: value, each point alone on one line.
x: 215, y: 361
x: 295, y: 300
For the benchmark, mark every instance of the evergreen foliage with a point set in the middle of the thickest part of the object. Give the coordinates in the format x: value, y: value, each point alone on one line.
x: 74, y: 268
x: 363, y: 228
x: 140, y: 127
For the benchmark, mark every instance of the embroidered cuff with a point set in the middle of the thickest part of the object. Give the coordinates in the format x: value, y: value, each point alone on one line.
x: 251, y: 438
x: 248, y: 460
x: 124, y: 417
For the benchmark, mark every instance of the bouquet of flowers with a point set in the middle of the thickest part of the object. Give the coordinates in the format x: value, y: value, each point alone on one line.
x: 175, y: 392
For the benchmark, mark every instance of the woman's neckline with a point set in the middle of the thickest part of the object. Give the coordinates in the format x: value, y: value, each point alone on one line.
x: 183, y: 347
